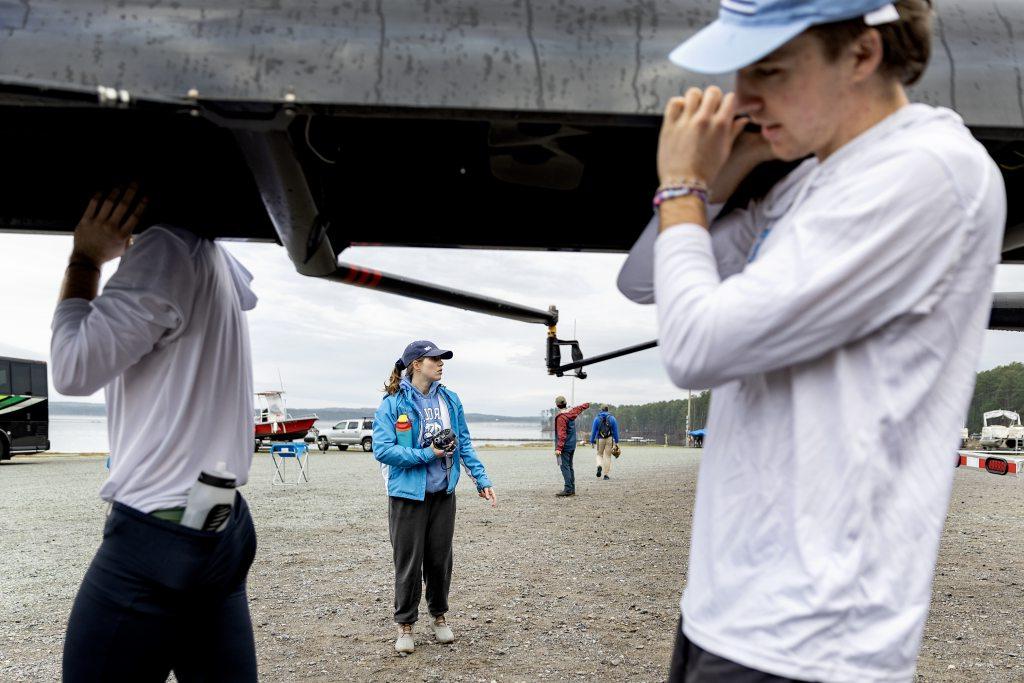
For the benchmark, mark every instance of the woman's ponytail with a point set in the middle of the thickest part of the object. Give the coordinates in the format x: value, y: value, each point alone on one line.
x: 391, y: 386
x: 395, y: 380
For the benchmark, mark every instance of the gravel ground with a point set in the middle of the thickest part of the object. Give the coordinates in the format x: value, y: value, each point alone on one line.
x: 553, y: 589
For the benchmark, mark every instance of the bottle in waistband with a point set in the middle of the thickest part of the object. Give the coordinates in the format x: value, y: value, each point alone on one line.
x: 210, y: 500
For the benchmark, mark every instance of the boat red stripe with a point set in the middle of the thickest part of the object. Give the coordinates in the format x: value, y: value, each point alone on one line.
x: 362, y: 277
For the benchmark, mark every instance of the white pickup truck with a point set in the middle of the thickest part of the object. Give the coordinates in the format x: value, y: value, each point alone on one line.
x: 347, y: 433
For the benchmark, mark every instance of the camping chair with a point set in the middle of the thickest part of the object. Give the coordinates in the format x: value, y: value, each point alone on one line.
x: 279, y: 454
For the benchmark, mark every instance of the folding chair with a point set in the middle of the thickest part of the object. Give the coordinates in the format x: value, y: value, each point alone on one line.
x: 279, y: 454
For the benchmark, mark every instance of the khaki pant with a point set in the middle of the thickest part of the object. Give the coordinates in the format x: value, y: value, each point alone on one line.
x: 604, y: 454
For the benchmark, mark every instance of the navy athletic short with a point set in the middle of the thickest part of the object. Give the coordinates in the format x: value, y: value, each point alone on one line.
x: 692, y: 664
x: 159, y: 597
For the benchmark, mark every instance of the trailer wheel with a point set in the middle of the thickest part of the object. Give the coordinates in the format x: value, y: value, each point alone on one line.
x: 257, y: 447
x: 323, y: 444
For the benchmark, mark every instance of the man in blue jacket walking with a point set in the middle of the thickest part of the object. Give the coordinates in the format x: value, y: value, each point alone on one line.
x: 604, y: 435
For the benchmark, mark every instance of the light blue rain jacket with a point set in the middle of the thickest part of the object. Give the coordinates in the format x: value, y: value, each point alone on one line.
x: 405, y: 469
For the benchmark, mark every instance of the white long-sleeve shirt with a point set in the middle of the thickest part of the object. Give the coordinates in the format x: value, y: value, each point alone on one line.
x: 842, y: 360
x: 168, y: 340
x: 732, y: 236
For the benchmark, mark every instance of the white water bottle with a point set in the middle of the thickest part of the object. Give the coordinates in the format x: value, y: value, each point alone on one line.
x: 210, y: 500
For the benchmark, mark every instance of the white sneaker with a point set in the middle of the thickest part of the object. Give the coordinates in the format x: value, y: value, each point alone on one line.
x: 442, y: 631
x: 405, y: 643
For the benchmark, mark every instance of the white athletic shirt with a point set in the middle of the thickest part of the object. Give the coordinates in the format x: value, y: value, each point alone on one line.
x: 168, y: 340
x: 842, y: 360
x: 731, y: 238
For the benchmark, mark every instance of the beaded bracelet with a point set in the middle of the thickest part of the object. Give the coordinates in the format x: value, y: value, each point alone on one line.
x: 665, y: 193
x: 672, y: 181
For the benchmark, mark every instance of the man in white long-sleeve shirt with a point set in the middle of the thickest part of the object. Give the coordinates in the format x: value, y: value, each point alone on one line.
x: 839, y: 322
x: 167, y: 340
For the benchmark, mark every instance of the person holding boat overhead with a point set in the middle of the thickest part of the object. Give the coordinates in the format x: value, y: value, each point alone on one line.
x: 420, y: 438
x: 167, y: 340
x: 812, y: 556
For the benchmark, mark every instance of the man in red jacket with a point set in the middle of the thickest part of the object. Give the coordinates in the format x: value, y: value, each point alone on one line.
x: 565, y: 442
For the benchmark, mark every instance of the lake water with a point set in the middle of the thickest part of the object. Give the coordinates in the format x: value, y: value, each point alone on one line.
x: 81, y: 434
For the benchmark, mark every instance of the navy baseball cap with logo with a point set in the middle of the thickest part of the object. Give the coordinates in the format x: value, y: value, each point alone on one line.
x: 421, y: 348
x: 748, y: 30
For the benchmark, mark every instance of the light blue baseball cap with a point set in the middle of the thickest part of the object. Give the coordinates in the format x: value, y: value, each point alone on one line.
x: 747, y: 30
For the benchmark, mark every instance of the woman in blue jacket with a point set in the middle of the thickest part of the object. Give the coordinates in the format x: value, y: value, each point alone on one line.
x: 421, y: 480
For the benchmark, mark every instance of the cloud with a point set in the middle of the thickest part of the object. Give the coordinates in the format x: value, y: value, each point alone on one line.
x: 332, y: 344
x: 19, y: 352
x: 350, y: 337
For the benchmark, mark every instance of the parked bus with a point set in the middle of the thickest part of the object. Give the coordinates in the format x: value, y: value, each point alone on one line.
x: 24, y: 408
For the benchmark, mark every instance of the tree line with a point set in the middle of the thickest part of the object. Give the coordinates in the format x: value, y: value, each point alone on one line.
x: 647, y: 421
x: 1001, y: 388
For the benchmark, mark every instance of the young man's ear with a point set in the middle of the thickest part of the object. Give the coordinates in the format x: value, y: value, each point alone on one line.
x: 867, y: 52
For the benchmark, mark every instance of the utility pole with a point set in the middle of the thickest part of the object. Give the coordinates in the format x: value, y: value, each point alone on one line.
x: 689, y: 416
x: 572, y: 380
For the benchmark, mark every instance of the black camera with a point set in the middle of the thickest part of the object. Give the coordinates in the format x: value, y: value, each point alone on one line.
x: 445, y: 441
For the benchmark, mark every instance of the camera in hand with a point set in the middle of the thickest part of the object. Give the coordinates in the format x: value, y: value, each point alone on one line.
x: 445, y: 441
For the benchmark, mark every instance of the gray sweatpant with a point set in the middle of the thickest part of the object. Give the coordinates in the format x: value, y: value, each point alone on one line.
x: 421, y: 539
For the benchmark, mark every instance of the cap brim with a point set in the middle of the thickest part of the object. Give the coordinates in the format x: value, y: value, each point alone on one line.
x: 722, y: 47
x: 439, y: 353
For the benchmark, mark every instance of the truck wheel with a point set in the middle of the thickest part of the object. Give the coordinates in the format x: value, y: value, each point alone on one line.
x: 342, y: 447
x: 5, y: 449
x: 323, y: 444
x: 367, y: 444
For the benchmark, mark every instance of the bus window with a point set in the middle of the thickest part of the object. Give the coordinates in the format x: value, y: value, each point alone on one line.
x: 21, y: 379
x: 5, y: 378
x: 38, y: 380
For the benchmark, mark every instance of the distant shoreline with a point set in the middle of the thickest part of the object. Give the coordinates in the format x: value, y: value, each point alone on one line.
x: 81, y: 409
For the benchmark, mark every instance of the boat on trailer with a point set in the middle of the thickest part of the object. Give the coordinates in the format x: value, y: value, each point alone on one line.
x: 274, y: 423
x: 1002, y: 430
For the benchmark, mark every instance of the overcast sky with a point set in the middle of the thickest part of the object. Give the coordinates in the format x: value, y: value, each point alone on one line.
x: 334, y: 344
